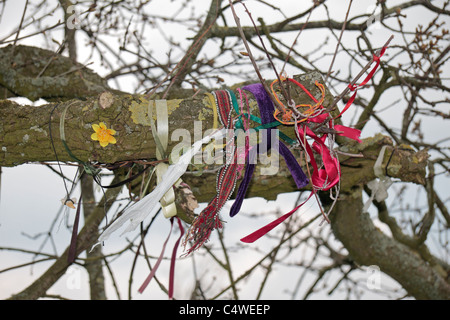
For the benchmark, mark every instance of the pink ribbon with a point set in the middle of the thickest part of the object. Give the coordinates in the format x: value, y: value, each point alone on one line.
x: 172, y: 262
x: 173, y: 259
x: 322, y: 179
x: 369, y: 76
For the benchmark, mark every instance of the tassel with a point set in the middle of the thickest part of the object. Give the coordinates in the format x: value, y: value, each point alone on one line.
x: 209, y: 218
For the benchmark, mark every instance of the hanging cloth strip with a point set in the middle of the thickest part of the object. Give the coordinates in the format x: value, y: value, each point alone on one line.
x: 266, y: 109
x: 262, y: 231
x: 156, y: 266
x: 380, y: 184
x: 173, y: 259
x: 160, y: 133
x: 322, y: 178
x: 209, y: 218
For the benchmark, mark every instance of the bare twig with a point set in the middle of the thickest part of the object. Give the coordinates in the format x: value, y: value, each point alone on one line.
x: 339, y: 41
x: 297, y: 36
x: 360, y: 74
x: 252, y: 59
x: 209, y: 22
x: 277, y: 74
x: 21, y: 22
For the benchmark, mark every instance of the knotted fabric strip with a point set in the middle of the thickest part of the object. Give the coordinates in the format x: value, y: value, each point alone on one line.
x: 328, y: 176
x: 161, y: 136
x: 266, y: 109
x: 323, y: 178
x: 380, y: 184
x: 209, y: 218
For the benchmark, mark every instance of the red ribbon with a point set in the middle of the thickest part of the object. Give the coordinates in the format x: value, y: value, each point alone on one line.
x: 351, y: 133
x: 369, y: 76
x: 173, y: 259
x: 262, y: 231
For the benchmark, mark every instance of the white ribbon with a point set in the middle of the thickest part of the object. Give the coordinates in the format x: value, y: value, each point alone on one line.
x: 161, y: 136
x: 167, y: 202
x: 136, y: 213
x: 379, y: 185
x: 162, y: 121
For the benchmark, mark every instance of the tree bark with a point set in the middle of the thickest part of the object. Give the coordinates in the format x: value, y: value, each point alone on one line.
x: 38, y: 73
x: 93, y: 264
x: 367, y: 245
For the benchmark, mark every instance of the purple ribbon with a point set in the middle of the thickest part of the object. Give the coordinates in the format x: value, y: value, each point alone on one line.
x: 266, y: 109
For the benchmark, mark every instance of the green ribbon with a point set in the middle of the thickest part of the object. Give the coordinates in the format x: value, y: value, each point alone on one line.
x: 239, y: 124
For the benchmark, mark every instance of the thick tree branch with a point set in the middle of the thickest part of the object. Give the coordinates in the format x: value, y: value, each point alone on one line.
x: 25, y: 137
x: 367, y: 245
x: 38, y: 73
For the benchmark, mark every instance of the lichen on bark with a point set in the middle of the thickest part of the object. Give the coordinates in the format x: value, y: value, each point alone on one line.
x: 38, y: 73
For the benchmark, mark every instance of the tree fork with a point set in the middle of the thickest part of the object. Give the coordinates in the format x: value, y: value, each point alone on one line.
x: 367, y: 245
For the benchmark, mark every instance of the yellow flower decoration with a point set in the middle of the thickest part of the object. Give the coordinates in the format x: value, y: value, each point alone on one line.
x: 103, y: 134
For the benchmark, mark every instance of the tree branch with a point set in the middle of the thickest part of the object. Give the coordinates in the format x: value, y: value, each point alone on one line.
x: 367, y: 245
x: 20, y: 75
x: 85, y: 239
